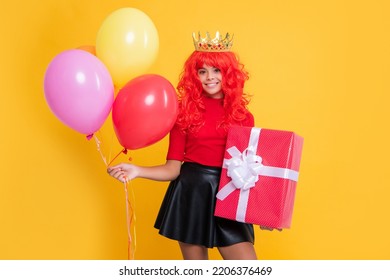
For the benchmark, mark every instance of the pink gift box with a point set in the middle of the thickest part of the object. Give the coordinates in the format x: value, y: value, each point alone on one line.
x: 259, y: 176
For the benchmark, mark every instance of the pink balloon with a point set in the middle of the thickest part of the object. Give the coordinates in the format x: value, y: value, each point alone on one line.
x: 144, y: 111
x: 79, y: 90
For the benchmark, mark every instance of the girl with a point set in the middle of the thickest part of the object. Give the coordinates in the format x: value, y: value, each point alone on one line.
x: 211, y: 99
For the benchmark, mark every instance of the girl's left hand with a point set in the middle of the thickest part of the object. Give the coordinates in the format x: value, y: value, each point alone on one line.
x: 269, y: 228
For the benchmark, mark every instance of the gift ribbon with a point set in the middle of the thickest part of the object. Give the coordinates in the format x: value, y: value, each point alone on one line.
x: 244, y: 169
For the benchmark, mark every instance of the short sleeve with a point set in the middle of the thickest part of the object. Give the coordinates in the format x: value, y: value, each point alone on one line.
x: 177, y: 141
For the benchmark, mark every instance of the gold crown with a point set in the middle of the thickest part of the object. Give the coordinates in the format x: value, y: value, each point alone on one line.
x: 218, y: 44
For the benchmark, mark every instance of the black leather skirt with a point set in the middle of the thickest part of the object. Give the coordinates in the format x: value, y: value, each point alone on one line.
x: 187, y: 211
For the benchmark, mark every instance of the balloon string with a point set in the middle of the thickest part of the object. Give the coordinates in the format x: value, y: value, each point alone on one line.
x: 130, y: 210
x: 124, y: 150
x: 111, y: 145
x: 99, y: 149
x: 130, y: 218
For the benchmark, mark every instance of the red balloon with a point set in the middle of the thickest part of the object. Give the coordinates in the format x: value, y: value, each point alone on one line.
x: 144, y: 111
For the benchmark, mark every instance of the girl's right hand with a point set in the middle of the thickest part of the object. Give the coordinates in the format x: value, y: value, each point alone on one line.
x: 124, y: 172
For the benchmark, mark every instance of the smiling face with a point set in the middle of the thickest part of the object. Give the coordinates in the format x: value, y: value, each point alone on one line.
x: 211, y: 79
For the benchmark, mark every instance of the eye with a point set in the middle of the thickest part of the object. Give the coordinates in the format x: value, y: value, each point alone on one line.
x: 217, y: 70
x: 201, y: 72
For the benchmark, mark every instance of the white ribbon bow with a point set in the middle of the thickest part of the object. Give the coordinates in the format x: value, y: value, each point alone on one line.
x: 244, y: 169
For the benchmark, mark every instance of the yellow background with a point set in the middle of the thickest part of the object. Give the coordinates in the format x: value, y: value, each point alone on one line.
x: 319, y: 68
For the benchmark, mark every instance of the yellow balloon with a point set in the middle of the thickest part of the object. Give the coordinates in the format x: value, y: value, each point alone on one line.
x: 127, y: 43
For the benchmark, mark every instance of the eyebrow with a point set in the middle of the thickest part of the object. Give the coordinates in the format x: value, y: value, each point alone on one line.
x: 211, y: 67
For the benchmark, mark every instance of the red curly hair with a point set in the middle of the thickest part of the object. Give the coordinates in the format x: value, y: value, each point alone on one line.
x: 190, y: 89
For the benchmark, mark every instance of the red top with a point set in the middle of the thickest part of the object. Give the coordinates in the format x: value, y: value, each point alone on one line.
x: 207, y: 146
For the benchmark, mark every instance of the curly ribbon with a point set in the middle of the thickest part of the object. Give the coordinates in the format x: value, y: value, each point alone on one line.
x: 130, y: 218
x: 244, y: 170
x: 130, y: 202
x: 130, y: 215
x: 97, y: 141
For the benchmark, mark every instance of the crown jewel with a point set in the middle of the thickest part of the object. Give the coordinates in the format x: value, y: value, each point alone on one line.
x: 218, y: 44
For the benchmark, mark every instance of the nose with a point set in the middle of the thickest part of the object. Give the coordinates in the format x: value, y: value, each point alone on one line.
x: 210, y: 75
